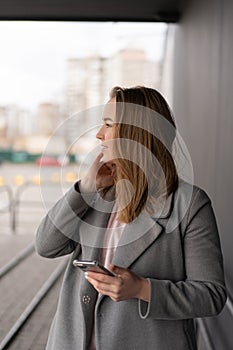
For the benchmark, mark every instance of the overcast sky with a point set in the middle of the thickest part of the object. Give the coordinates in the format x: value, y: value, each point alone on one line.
x: 33, y: 54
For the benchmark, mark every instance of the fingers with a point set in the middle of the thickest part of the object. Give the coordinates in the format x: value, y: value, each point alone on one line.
x: 118, y: 270
x: 106, y: 285
x: 100, y: 168
x: 126, y: 285
x: 98, y: 158
x: 96, y: 165
x: 99, y: 277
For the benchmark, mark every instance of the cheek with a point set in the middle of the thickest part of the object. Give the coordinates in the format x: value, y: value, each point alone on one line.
x: 109, y: 135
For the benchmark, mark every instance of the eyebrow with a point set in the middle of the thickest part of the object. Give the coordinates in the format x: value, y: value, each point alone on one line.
x: 107, y: 119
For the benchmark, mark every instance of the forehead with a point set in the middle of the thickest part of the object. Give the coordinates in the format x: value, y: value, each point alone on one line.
x: 110, y: 109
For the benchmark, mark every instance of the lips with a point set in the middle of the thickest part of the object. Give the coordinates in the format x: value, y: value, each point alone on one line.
x: 103, y: 147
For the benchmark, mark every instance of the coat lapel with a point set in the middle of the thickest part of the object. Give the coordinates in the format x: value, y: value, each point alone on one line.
x: 141, y: 233
x: 136, y: 238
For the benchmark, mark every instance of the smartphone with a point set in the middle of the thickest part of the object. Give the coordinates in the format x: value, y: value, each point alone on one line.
x: 93, y: 265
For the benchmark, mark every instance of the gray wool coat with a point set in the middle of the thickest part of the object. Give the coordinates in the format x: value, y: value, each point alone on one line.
x: 177, y: 248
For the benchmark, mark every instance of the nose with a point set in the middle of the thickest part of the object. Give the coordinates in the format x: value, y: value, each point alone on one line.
x: 100, y: 134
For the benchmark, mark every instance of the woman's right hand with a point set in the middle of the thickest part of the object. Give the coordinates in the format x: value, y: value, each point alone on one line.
x: 100, y: 175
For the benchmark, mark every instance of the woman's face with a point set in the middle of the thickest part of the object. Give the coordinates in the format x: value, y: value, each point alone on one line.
x: 106, y: 132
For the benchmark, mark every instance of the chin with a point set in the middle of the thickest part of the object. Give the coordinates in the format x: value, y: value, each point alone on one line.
x: 107, y: 157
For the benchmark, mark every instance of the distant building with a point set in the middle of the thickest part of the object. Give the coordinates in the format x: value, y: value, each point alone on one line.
x: 85, y: 87
x: 48, y: 118
x: 90, y: 79
x: 133, y: 68
x: 85, y: 83
x: 3, y: 122
x: 14, y: 122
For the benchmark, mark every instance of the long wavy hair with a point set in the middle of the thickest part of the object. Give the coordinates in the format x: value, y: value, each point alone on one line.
x: 144, y: 132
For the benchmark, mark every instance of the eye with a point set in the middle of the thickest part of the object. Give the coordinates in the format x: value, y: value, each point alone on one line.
x: 108, y: 125
x: 108, y: 122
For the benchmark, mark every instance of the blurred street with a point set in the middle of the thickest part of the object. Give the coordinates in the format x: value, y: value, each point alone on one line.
x: 33, y: 190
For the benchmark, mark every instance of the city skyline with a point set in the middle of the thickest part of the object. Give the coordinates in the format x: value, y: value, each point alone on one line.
x: 88, y: 82
x: 33, y: 55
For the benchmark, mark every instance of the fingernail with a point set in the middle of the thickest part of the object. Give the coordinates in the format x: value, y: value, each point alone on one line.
x: 86, y: 274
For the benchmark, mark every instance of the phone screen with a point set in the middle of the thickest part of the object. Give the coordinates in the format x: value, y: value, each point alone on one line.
x: 94, y: 266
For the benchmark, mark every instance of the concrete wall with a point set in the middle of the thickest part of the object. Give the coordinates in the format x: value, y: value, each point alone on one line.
x: 203, y: 106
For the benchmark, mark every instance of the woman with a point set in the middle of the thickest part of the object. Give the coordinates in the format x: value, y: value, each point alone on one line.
x: 156, y: 232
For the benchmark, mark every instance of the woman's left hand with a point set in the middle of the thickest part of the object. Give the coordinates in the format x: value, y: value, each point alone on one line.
x: 126, y: 285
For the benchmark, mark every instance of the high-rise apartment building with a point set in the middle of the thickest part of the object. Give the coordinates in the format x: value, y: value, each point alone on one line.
x: 86, y: 88
x: 90, y: 79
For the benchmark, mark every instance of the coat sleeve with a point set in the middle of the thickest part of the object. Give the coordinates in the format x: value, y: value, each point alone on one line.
x: 57, y: 233
x: 203, y: 291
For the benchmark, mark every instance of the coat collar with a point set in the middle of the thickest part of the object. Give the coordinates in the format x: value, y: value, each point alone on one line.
x: 136, y: 237
x: 164, y: 207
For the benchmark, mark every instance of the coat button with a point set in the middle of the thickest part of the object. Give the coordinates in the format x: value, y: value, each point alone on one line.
x: 86, y: 299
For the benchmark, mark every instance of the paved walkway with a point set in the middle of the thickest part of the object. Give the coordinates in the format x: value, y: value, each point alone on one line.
x: 33, y: 336
x: 17, y: 289
x: 11, y: 245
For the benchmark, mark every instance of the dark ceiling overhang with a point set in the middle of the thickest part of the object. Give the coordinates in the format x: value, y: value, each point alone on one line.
x: 92, y: 10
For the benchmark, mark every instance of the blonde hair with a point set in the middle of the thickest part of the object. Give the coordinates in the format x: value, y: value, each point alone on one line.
x: 143, y: 149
